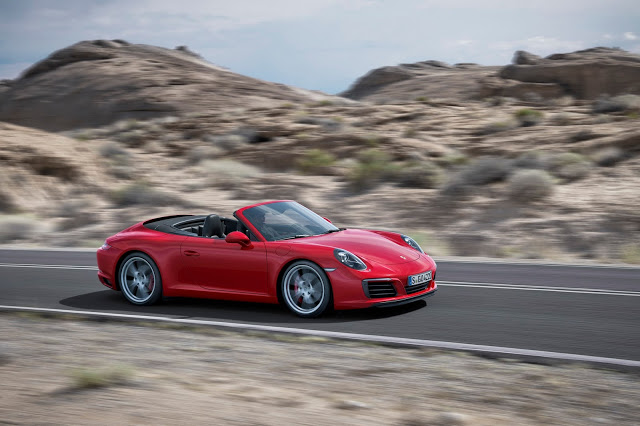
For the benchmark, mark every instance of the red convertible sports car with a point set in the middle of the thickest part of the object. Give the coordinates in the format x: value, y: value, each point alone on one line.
x: 273, y: 252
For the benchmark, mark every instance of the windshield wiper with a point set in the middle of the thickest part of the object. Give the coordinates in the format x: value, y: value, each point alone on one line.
x: 334, y: 230
x: 296, y: 236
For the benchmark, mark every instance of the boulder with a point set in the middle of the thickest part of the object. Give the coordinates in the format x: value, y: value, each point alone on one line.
x: 522, y: 57
x: 376, y: 79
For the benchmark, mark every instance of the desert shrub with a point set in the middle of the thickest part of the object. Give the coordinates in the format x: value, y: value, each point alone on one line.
x: 630, y: 254
x: 132, y: 138
x: 372, y: 167
x: 621, y: 103
x: 529, y: 185
x: 112, y: 150
x: 528, y: 117
x: 316, y: 161
x: 561, y: 119
x: 419, y: 175
x: 201, y: 153
x: 84, y: 378
x: 229, y: 142
x: 329, y: 124
x: 486, y: 170
x: 6, y: 202
x: 323, y: 103
x: 141, y: 193
x: 14, y: 227
x: 455, y: 188
x: 496, y: 127
x: 483, y: 171
x: 582, y: 135
x: 531, y: 160
x: 569, y: 166
x: 455, y: 158
x: 409, y: 133
x: 608, y: 157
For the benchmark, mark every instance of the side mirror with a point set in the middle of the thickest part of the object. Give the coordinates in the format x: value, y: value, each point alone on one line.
x: 327, y: 219
x: 238, y: 238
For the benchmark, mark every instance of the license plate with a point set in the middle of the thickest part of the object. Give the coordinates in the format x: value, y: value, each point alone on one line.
x: 420, y: 278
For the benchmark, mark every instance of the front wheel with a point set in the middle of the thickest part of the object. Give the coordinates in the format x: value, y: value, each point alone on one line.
x: 140, y: 280
x: 305, y: 289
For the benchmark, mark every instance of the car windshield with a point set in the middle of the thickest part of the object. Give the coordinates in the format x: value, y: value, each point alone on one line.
x: 287, y: 220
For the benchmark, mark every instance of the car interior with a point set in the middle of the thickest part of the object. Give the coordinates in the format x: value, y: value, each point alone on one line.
x: 210, y: 226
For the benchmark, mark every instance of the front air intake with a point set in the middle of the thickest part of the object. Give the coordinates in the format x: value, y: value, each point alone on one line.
x: 379, y: 289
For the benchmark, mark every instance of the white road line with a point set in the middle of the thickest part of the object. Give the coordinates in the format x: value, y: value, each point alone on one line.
x: 349, y: 336
x: 527, y: 287
x: 40, y: 266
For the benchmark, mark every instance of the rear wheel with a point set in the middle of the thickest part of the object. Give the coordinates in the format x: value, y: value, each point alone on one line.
x: 305, y: 289
x: 140, y: 280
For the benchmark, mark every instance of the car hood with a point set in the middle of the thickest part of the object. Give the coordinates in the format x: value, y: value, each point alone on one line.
x: 367, y: 245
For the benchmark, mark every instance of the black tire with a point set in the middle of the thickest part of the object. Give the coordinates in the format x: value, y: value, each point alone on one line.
x: 139, y: 279
x: 306, y: 290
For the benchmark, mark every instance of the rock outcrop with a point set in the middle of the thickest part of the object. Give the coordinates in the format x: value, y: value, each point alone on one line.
x: 585, y: 74
x: 419, y: 81
x: 93, y: 83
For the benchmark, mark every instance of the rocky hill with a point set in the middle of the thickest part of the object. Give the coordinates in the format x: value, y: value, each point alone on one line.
x: 93, y: 83
x: 586, y: 74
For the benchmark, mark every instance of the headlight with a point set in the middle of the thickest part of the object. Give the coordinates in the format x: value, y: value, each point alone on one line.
x: 410, y: 241
x: 105, y: 246
x: 349, y: 259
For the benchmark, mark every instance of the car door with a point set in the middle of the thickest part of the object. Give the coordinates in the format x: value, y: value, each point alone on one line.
x: 214, y: 264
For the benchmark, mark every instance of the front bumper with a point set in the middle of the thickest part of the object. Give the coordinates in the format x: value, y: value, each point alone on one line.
x: 352, y: 289
x: 410, y: 299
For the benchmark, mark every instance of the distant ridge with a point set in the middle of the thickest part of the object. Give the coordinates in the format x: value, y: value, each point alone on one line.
x: 93, y: 83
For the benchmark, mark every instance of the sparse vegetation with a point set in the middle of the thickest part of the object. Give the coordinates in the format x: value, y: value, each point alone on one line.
x: 86, y: 378
x: 316, y: 161
x: 630, y: 253
x: 142, y: 193
x: 424, y: 174
x: 373, y: 166
x: 608, y: 157
x: 409, y: 132
x: 561, y: 119
x: 528, y: 117
x: 496, y: 127
x: 18, y: 227
x: 569, y: 166
x: 113, y: 150
x: 455, y: 158
x: 621, y: 103
x: 482, y: 171
x: 529, y: 186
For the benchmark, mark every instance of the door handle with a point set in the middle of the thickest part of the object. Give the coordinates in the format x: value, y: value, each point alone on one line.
x: 191, y: 253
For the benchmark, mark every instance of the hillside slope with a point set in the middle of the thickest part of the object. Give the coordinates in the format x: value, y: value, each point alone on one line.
x: 93, y: 83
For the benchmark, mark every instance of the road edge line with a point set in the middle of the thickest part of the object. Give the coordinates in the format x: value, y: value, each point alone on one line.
x: 392, y: 341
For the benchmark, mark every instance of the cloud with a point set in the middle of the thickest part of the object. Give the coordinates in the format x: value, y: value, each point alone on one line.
x: 540, y: 45
x: 630, y: 36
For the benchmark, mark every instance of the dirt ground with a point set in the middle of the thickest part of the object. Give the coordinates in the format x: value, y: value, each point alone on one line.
x: 57, y: 370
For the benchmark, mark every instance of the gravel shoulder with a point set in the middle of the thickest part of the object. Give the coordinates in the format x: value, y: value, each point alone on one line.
x: 61, y: 370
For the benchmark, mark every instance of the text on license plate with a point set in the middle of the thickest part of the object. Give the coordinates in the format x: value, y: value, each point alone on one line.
x: 420, y: 278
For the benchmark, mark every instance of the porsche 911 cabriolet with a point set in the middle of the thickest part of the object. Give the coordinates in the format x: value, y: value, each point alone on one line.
x: 272, y: 252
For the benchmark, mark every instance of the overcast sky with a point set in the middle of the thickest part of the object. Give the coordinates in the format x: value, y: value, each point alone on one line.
x: 320, y: 44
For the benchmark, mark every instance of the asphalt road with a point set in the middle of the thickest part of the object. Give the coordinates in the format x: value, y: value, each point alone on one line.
x: 570, y: 309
